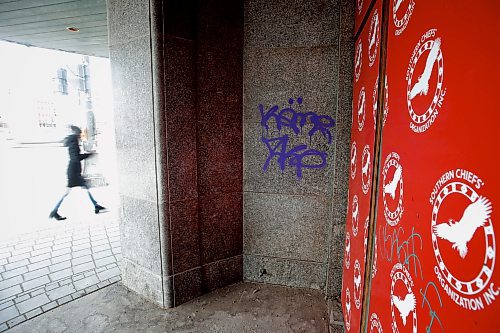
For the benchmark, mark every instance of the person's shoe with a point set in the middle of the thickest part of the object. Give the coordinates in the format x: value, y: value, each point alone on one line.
x: 99, y: 208
x: 55, y: 215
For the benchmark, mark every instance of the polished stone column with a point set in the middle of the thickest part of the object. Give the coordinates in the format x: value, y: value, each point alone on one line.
x: 177, y: 73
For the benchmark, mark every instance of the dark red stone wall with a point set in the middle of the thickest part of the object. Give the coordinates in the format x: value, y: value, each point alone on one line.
x: 203, y: 51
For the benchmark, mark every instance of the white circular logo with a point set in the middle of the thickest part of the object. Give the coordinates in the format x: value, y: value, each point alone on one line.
x: 358, y: 60
x: 463, y: 238
x: 386, y: 102
x: 355, y: 215
x: 357, y: 284
x: 393, y: 189
x: 375, y: 324
x: 366, y: 168
x: 374, y: 265
x: 347, y: 250
x: 373, y: 38
x: 353, y: 159
x: 365, y: 238
x: 403, y: 301
x: 401, y: 21
x: 361, y: 108
x: 424, y: 109
x: 375, y: 103
x: 360, y: 6
x: 347, y: 313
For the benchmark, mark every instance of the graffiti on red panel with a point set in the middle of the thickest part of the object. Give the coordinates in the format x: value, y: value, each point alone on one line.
x: 463, y: 239
x: 400, y: 248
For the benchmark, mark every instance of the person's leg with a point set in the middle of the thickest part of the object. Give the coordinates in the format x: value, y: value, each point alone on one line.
x: 94, y: 202
x: 97, y: 207
x: 54, y: 214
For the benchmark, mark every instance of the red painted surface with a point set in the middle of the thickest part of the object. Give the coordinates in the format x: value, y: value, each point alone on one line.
x: 362, y: 141
x: 439, y: 164
x: 361, y: 10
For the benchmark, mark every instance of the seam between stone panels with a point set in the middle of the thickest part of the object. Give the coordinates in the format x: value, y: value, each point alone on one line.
x: 287, y: 259
x: 335, y: 156
x: 221, y: 260
x: 286, y: 194
x: 322, y: 46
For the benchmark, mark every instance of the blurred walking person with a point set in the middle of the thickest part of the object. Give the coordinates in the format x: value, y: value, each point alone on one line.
x: 74, y: 172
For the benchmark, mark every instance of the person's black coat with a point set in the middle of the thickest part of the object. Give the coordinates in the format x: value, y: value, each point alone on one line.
x: 74, y: 166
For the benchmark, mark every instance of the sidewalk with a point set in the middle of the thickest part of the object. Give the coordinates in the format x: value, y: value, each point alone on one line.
x: 45, y: 269
x: 239, y: 308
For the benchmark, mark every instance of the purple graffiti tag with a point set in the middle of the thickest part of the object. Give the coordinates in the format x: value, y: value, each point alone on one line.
x: 295, y: 156
x: 321, y: 124
x: 295, y: 120
x: 291, y: 116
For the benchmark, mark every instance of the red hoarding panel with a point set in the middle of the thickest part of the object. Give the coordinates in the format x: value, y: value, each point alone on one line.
x: 439, y: 197
x: 365, y: 89
x: 361, y: 10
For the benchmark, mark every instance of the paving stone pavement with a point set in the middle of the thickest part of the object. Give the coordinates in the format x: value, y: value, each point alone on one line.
x: 45, y: 269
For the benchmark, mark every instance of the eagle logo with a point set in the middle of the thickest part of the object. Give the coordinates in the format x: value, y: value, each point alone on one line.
x: 361, y: 109
x: 393, y: 184
x: 353, y: 159
x: 405, y: 305
x: 390, y: 186
x: 365, y: 169
x: 358, y: 60
x: 347, y: 314
x: 366, y: 164
x: 355, y: 215
x: 357, y: 284
x: 347, y: 250
x: 421, y: 87
x: 373, y: 38
x: 459, y: 233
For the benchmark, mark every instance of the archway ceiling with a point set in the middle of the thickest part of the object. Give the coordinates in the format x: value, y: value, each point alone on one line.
x: 44, y: 23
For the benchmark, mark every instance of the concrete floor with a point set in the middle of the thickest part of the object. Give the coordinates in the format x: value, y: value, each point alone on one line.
x: 242, y: 307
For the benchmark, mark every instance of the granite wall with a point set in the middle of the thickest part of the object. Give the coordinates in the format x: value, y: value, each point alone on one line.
x: 295, y: 175
x: 232, y: 126
x: 177, y: 77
